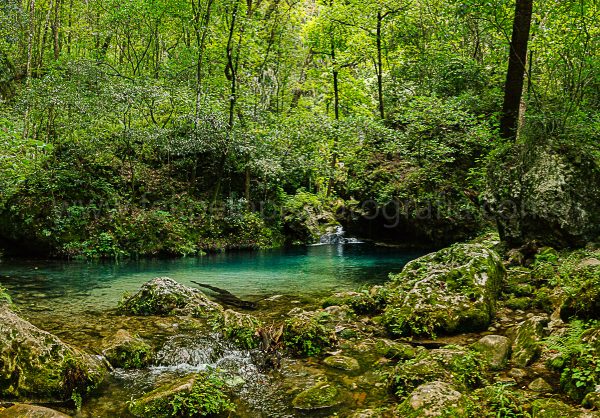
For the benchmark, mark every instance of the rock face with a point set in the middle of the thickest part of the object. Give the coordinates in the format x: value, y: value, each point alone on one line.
x: 36, y: 365
x: 165, y: 296
x: 526, y: 346
x: 545, y: 192
x: 435, y: 399
x: 450, y: 291
x: 322, y: 395
x: 30, y: 411
x: 126, y: 351
x: 193, y: 395
x: 495, y: 349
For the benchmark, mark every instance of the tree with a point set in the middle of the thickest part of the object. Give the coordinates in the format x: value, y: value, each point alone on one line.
x: 513, y: 89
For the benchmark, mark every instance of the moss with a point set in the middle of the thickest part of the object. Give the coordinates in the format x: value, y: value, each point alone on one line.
x: 395, y: 350
x: 240, y: 328
x: 500, y: 400
x: 4, y: 297
x: 552, y: 408
x: 518, y: 303
x: 362, y: 303
x: 308, y: 333
x: 543, y: 300
x: 322, y: 395
x: 192, y: 396
x: 342, y: 362
x: 127, y: 351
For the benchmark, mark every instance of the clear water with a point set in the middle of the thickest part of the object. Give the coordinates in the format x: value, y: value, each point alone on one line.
x: 78, y: 286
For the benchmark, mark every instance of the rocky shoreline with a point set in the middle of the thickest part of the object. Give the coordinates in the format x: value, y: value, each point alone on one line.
x: 471, y: 330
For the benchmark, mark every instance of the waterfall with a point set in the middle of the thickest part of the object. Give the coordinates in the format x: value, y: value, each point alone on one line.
x: 337, y: 237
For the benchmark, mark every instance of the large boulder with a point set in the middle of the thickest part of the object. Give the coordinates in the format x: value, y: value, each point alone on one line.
x: 322, y: 395
x: 36, y: 365
x: 546, y: 192
x: 450, y: 291
x: 164, y: 296
x: 435, y: 399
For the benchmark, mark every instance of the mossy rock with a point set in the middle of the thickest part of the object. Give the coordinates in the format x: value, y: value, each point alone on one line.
x: 518, y: 303
x: 126, y: 351
x: 553, y: 408
x: 308, y: 333
x: 30, y: 411
x: 36, y: 365
x: 592, y: 401
x: 583, y: 294
x: 196, y: 395
x: 164, y: 296
x: 395, y: 350
x: 241, y: 328
x: 365, y: 302
x: 526, y: 346
x: 462, y: 368
x: 435, y: 399
x: 495, y: 350
x: 321, y: 396
x: 450, y: 291
x: 348, y: 364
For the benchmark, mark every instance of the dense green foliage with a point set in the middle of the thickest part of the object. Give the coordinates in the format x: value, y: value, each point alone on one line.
x: 140, y: 128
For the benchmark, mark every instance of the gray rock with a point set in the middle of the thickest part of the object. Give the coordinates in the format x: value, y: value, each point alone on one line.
x: 526, y: 346
x: 540, y: 385
x: 495, y: 349
x: 434, y: 399
x: 450, y: 291
x: 30, y: 411
x: 518, y: 374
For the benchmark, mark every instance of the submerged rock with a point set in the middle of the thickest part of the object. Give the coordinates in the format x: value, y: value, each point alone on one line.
x: 126, y: 351
x: 495, y: 349
x: 343, y: 363
x: 30, y: 411
x: 450, y: 291
x: 322, y: 395
x: 194, y: 395
x: 165, y: 296
x: 435, y: 399
x: 36, y: 365
x: 526, y: 346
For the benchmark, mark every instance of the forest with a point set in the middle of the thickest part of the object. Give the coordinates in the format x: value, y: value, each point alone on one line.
x: 173, y: 132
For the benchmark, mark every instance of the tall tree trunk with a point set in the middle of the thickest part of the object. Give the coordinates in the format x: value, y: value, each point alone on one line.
x: 513, y: 90
x: 56, y: 28
x: 336, y: 112
x: 380, y: 67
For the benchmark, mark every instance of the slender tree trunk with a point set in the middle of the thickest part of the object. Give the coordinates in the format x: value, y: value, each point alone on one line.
x: 336, y: 112
x: 56, y: 28
x: 380, y: 67
x: 516, y: 69
x: 28, y: 68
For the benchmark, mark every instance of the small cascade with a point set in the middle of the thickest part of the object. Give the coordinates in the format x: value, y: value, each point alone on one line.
x: 336, y: 237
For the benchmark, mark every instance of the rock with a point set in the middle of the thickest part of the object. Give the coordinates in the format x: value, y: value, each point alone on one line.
x: 126, y: 351
x: 165, y: 296
x: 540, y: 385
x: 450, y: 291
x: 526, y: 346
x: 495, y: 349
x: 592, y: 401
x: 461, y: 368
x: 322, y: 395
x: 583, y: 299
x: 30, y: 411
x: 343, y: 363
x: 553, y: 408
x: 435, y: 399
x: 36, y: 365
x: 588, y: 262
x: 518, y: 374
x: 308, y: 333
x: 366, y: 413
x: 242, y: 329
x: 193, y: 395
x: 395, y: 350
x: 545, y: 192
